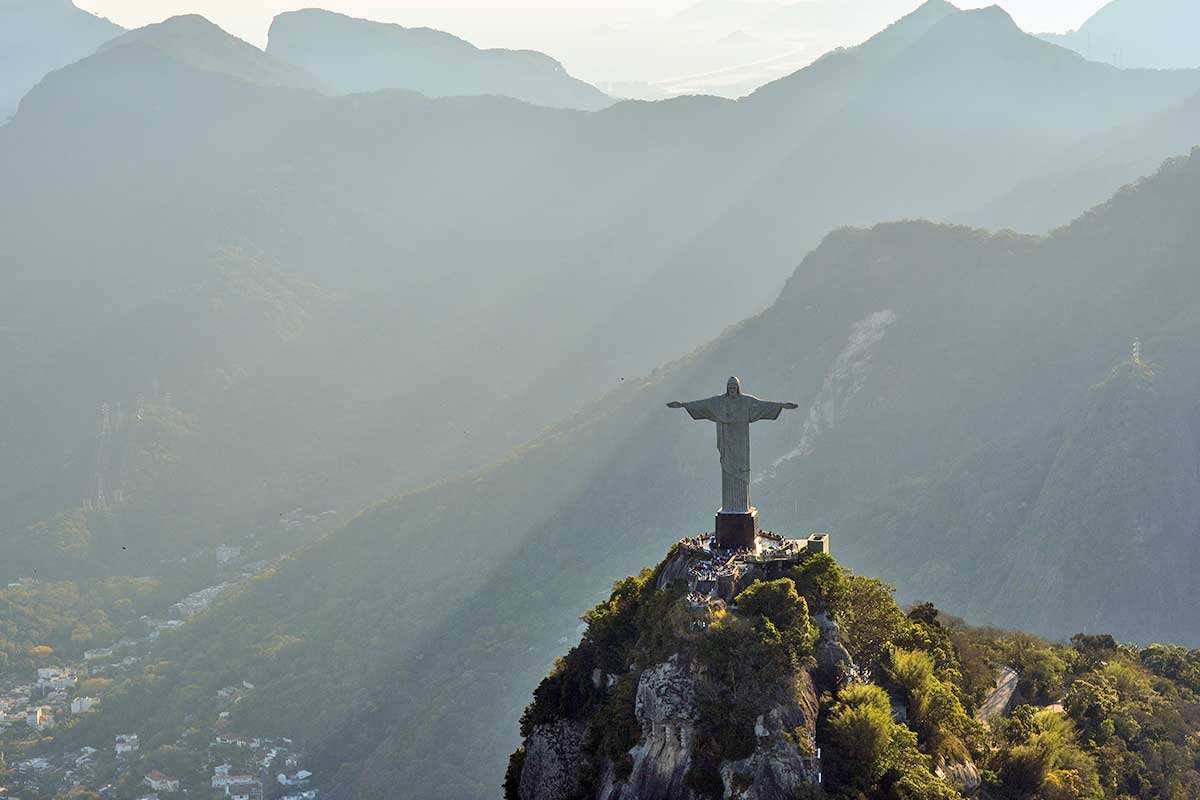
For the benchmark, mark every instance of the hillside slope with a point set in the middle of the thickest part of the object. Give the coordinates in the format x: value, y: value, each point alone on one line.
x: 935, y: 368
x: 1124, y: 484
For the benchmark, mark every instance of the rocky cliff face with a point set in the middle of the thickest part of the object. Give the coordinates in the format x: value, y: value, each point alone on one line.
x: 783, y: 760
x: 552, y: 755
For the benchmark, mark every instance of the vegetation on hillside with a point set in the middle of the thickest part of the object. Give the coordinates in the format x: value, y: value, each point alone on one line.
x: 41, y: 622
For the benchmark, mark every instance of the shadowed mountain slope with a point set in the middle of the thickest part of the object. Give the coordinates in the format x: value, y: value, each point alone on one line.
x: 358, y: 55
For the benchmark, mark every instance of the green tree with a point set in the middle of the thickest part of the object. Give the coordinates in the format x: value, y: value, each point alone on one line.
x: 873, y: 754
x: 822, y: 582
x: 779, y: 603
x: 871, y: 621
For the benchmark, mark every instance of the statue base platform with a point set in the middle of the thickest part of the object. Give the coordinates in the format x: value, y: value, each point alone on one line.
x: 737, y: 530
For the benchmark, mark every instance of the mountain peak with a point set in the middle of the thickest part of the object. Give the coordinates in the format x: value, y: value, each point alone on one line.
x: 336, y: 23
x: 989, y: 21
x: 179, y: 33
x: 934, y: 7
x: 201, y: 43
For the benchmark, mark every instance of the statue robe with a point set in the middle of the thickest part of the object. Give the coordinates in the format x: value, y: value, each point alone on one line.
x: 733, y: 415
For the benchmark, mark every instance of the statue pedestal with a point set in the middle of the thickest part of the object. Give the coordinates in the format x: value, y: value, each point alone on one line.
x: 737, y: 529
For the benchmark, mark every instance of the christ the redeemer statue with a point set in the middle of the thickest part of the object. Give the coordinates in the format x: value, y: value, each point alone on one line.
x: 737, y: 520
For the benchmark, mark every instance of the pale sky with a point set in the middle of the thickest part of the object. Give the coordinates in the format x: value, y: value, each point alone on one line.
x: 607, y: 41
x: 250, y: 18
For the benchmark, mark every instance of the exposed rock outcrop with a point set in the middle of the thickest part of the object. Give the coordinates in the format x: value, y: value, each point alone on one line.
x: 667, y: 712
x: 962, y: 775
x: 782, y: 762
x: 552, y: 755
x: 785, y: 759
x: 834, y: 664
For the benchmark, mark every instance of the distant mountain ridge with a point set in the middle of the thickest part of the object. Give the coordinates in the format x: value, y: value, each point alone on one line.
x: 199, y: 43
x: 391, y: 202
x: 1088, y: 171
x: 358, y: 55
x: 38, y: 36
x: 1159, y: 34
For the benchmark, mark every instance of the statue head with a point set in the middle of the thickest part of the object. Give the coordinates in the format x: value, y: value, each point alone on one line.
x: 733, y: 388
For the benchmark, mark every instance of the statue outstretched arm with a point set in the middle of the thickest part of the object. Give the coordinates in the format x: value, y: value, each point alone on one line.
x: 766, y: 409
x: 700, y: 409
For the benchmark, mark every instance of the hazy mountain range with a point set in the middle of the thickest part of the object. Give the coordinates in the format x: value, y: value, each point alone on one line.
x: 309, y: 235
x: 233, y: 283
x: 356, y: 55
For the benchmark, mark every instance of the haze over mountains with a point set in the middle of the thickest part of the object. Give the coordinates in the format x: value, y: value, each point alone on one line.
x: 970, y: 426
x: 234, y: 283
x: 358, y: 55
x: 1160, y: 34
x: 39, y: 36
x: 642, y: 208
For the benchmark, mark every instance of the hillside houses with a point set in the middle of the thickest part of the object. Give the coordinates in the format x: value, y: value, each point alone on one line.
x: 196, y: 602
x: 160, y: 782
x: 295, y: 780
x: 81, y: 705
x: 40, y: 718
x: 241, y: 742
x: 55, y: 679
x: 245, y: 790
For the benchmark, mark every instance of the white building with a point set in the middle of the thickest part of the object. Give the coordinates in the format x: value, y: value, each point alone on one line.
x: 220, y: 778
x: 53, y: 678
x: 245, y: 790
x: 160, y: 782
x: 295, y: 779
x: 81, y: 705
x: 126, y: 743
